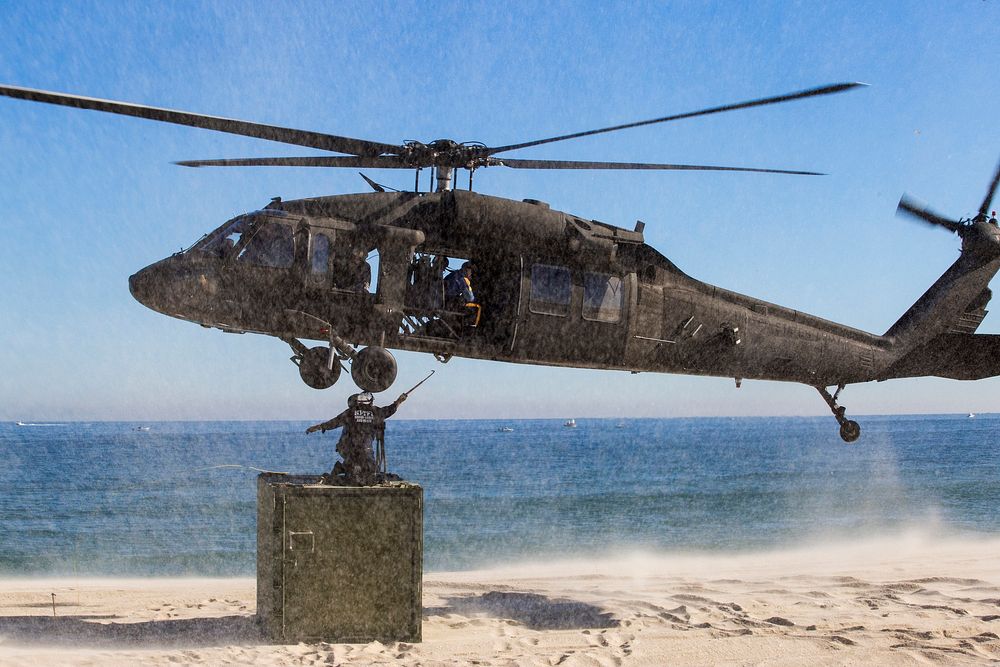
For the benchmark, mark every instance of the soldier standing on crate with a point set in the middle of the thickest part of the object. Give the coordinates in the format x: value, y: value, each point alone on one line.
x: 362, y: 421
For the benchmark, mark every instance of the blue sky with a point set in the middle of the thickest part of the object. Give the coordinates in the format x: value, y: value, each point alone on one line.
x: 88, y: 198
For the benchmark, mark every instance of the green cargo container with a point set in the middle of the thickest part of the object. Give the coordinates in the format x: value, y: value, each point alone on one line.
x: 338, y: 563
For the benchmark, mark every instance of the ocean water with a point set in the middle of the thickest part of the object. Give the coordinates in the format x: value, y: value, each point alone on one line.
x: 108, y: 499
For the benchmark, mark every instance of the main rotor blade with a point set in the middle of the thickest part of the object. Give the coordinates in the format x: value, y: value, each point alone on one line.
x: 376, y: 162
x: 915, y: 209
x: 570, y: 164
x: 989, y: 193
x: 328, y: 142
x: 811, y: 92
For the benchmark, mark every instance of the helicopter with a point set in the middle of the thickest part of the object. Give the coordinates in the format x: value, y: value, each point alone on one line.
x: 551, y: 287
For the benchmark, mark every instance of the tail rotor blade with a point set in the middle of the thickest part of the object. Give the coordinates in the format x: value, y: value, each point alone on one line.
x: 990, y: 193
x: 913, y: 208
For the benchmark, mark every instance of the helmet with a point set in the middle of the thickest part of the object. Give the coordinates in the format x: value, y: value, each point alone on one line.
x: 365, y: 398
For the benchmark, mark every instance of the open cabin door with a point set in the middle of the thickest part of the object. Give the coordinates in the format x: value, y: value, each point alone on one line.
x: 436, y: 319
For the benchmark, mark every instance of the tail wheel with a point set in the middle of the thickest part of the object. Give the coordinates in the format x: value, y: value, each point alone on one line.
x: 374, y: 369
x: 314, y: 370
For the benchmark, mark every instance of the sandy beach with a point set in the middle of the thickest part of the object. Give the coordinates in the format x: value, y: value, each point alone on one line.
x: 900, y: 601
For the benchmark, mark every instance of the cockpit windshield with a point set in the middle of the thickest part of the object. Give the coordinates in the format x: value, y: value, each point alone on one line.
x: 222, y: 241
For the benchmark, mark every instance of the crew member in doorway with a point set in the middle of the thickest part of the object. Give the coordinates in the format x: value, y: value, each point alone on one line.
x: 362, y: 421
x: 458, y: 292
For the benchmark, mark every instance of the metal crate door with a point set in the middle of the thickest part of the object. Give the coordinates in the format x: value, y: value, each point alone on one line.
x: 349, y: 566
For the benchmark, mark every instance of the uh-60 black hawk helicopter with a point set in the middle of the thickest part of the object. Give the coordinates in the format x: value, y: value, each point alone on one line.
x: 551, y: 288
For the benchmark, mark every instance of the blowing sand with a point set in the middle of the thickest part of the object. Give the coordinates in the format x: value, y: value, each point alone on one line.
x: 900, y: 601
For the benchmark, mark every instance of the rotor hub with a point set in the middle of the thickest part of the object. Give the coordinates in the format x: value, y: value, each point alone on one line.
x: 443, y: 153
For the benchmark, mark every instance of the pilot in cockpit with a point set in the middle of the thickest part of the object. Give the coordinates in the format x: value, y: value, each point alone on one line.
x: 354, y: 272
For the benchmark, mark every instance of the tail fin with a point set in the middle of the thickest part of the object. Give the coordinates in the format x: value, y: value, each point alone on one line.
x: 956, y: 303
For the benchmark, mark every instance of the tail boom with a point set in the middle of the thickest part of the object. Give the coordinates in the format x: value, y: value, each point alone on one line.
x: 950, y: 355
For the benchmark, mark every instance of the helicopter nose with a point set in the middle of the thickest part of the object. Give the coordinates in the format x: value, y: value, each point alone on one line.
x: 156, y: 286
x: 142, y: 286
x: 137, y: 286
x: 176, y: 287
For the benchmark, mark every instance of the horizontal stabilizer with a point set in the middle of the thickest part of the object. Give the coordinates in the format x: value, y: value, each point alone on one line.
x: 969, y: 321
x: 951, y: 355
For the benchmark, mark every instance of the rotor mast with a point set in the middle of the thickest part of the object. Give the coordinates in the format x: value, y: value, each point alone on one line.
x: 445, y: 176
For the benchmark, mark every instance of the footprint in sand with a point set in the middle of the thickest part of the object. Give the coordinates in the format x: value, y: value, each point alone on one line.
x: 777, y: 620
x: 842, y: 640
x: 598, y: 640
x: 502, y: 633
x: 620, y: 646
x: 401, y: 650
x: 502, y: 647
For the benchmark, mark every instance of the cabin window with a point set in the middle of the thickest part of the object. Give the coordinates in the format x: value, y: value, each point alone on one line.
x: 603, y: 296
x: 271, y: 246
x: 319, y: 254
x: 550, y: 290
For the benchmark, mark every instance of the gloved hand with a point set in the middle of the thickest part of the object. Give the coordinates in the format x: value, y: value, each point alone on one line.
x: 402, y: 397
x: 314, y: 428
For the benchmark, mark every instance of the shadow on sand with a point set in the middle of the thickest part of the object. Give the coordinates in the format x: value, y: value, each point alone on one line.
x: 90, y: 632
x: 535, y: 611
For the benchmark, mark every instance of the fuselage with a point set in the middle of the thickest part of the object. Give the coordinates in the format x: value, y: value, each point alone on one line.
x: 554, y: 289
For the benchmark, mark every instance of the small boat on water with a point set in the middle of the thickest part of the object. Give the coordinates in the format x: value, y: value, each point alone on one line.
x: 620, y: 425
x: 141, y: 428
x: 570, y: 423
x: 506, y: 429
x: 972, y: 415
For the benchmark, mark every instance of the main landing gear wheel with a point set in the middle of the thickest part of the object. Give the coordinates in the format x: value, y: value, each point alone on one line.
x: 374, y: 369
x: 314, y: 368
x: 849, y: 429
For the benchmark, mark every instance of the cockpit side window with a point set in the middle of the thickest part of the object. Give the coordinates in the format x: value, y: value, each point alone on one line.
x: 603, y: 296
x: 319, y: 254
x: 272, y: 246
